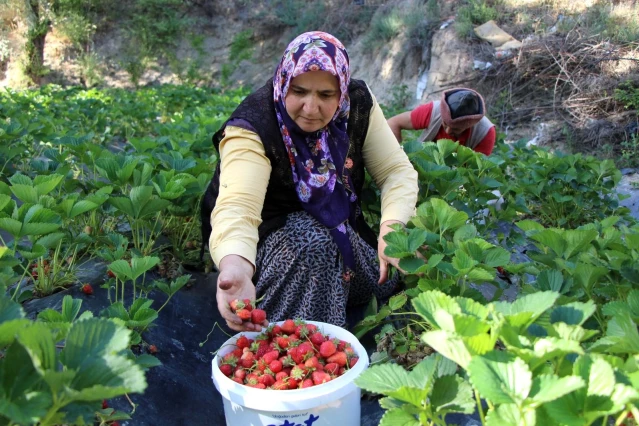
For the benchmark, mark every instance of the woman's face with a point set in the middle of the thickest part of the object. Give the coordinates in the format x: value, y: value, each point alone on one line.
x: 312, y: 99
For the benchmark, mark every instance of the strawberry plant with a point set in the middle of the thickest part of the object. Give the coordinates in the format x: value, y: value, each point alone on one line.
x: 440, y: 250
x: 46, y: 385
x: 593, y: 262
x: 564, y: 190
x: 529, y: 360
x: 130, y: 271
x: 423, y: 396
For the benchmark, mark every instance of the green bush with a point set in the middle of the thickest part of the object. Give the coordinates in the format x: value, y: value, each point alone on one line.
x: 475, y: 12
x: 157, y: 24
x: 76, y: 28
x: 384, y: 27
x: 242, y: 46
x: 598, y: 19
x: 90, y: 69
x: 628, y: 95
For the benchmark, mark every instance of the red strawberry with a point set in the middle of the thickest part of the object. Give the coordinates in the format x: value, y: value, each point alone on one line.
x: 282, y: 342
x: 292, y: 383
x: 298, y: 372
x: 153, y: 349
x: 304, y: 352
x: 338, y: 358
x: 247, y: 304
x: 260, y: 386
x: 105, y: 404
x: 87, y: 289
x: 281, y: 375
x: 242, y: 342
x: 230, y: 359
x: 267, y: 380
x: 261, y: 364
x: 252, y: 379
x: 261, y: 349
x: 311, y: 328
x: 293, y: 338
x: 320, y: 377
x: 287, y: 361
x: 237, y: 353
x: 307, y: 383
x: 235, y: 305
x: 238, y: 380
x: 244, y: 314
x: 110, y: 274
x: 305, y: 330
x: 313, y: 364
x: 271, y: 356
x: 240, y: 373
x: 226, y: 369
x: 115, y: 423
x: 288, y: 326
x: 258, y: 316
x: 352, y: 362
x: 340, y: 344
x: 238, y: 304
x: 274, y: 331
x: 275, y: 366
x: 331, y: 368
x: 280, y: 385
x: 327, y: 349
x: 317, y: 338
x: 247, y: 360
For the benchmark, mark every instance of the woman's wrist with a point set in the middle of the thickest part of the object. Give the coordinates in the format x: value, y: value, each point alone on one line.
x: 234, y: 261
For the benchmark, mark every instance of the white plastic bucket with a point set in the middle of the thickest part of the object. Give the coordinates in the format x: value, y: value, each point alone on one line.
x: 333, y: 403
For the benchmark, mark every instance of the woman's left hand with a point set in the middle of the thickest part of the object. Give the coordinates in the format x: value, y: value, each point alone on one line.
x: 385, y: 260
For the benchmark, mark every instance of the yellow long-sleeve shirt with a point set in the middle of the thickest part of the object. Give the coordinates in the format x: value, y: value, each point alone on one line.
x: 246, y: 170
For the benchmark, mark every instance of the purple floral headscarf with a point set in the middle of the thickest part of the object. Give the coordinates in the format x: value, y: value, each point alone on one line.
x: 319, y: 159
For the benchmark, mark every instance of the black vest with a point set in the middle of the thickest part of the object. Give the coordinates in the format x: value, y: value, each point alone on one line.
x: 281, y: 198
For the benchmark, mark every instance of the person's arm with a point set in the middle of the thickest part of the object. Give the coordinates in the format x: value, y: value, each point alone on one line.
x: 488, y: 143
x: 244, y: 176
x: 400, y: 122
x: 396, y: 177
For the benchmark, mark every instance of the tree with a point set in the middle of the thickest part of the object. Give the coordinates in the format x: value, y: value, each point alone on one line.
x: 37, y: 16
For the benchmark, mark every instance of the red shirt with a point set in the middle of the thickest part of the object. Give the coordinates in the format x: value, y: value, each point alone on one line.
x: 420, y: 118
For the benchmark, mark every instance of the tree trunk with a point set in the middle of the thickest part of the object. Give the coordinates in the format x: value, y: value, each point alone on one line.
x: 37, y: 30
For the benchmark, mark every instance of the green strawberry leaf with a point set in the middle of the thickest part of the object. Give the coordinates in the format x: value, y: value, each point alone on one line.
x: 500, y: 377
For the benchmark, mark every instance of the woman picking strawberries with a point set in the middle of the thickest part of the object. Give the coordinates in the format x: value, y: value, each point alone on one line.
x: 284, y: 204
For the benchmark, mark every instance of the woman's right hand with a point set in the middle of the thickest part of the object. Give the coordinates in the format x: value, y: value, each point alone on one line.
x: 235, y: 282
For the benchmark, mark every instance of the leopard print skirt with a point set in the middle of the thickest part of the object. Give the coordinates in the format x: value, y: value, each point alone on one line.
x: 299, y: 273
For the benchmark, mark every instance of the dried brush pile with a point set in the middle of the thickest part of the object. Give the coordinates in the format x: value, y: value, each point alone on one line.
x: 572, y: 77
